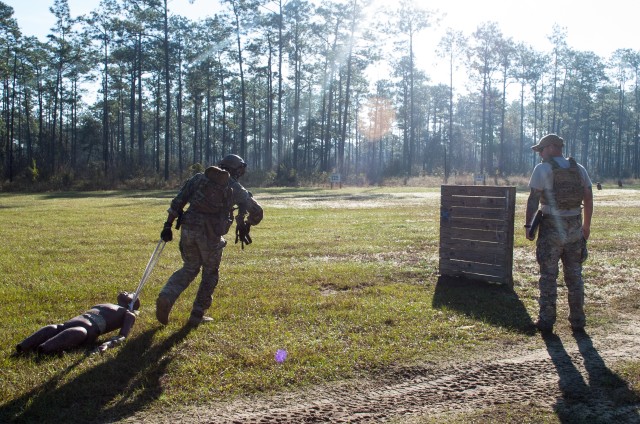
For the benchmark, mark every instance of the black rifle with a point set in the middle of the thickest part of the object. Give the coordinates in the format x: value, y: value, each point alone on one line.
x: 533, y: 225
x: 179, y: 220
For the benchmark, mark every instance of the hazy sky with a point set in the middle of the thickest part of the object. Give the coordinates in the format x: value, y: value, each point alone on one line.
x: 610, y: 25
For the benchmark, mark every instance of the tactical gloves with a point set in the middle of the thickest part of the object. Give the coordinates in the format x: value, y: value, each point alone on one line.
x: 166, y: 234
x: 242, y: 233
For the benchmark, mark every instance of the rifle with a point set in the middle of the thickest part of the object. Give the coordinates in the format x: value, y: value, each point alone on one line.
x: 533, y: 225
x: 179, y: 220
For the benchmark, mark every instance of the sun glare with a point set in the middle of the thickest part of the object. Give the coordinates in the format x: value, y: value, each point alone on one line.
x: 376, y: 118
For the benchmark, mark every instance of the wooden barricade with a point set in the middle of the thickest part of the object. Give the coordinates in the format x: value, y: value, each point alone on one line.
x: 476, y: 232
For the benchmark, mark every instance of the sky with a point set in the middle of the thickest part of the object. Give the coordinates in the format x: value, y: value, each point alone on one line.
x: 602, y: 29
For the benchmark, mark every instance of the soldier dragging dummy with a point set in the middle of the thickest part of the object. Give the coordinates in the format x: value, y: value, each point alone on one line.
x: 211, y: 197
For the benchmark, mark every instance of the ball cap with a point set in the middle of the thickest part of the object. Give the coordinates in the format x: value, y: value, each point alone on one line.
x: 548, y: 140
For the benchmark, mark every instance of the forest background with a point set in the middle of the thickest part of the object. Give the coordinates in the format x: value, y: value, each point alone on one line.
x: 133, y: 95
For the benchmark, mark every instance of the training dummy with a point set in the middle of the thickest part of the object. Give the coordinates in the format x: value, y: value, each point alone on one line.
x: 85, y: 328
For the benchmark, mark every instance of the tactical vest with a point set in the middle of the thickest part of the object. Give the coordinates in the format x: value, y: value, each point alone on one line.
x: 568, y: 190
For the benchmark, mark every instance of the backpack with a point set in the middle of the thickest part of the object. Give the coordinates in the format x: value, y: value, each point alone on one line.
x: 568, y: 189
x: 213, y: 196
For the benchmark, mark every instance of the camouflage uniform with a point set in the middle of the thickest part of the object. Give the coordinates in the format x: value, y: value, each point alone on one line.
x: 202, y: 242
x: 560, y: 238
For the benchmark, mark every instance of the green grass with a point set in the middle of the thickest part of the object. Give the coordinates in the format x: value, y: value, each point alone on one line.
x: 344, y: 280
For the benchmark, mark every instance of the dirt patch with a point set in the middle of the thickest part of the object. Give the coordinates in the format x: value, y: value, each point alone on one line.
x: 571, y: 374
x: 350, y: 201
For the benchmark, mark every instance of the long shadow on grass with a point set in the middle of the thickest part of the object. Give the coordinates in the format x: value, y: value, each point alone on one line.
x: 109, y: 391
x: 332, y: 198
x: 605, y: 398
x: 125, y: 194
x: 495, y: 304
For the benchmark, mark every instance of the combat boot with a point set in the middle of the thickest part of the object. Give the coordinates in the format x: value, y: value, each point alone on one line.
x: 163, y: 307
x: 197, y: 317
x: 543, y: 327
x: 578, y: 329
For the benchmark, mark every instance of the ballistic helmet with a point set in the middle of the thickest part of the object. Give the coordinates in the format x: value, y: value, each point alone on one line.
x: 125, y: 298
x: 234, y: 164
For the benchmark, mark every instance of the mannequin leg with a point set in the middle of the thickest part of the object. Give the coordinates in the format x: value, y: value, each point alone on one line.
x: 39, y: 337
x: 66, y: 339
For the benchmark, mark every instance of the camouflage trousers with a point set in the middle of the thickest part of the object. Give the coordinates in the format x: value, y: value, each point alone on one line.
x: 198, y: 252
x: 560, y: 239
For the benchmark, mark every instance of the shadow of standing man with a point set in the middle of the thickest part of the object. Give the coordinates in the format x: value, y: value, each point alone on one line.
x: 608, y: 389
x: 597, y: 395
x: 571, y: 382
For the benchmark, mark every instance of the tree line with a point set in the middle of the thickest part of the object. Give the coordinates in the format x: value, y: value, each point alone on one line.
x: 134, y: 89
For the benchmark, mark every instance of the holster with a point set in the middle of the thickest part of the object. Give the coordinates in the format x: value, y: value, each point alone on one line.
x: 217, y: 226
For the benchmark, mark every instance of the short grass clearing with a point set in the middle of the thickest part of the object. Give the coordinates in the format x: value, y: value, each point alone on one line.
x: 346, y: 281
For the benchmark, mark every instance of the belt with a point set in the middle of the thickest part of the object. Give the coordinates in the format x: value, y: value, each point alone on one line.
x: 94, y: 316
x: 561, y: 216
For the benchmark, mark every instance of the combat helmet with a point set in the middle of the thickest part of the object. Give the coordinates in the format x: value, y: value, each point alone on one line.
x: 234, y: 164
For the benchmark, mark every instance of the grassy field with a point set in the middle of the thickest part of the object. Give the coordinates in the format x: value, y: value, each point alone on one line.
x: 346, y: 281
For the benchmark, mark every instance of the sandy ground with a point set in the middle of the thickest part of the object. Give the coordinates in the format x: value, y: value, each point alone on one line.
x: 571, y: 375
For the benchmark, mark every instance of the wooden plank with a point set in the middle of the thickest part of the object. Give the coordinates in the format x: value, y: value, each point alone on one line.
x: 476, y: 256
x: 455, y: 233
x: 477, y: 271
x: 477, y: 213
x: 477, y: 224
x: 480, y: 269
x: 480, y: 191
x: 512, y: 207
x: 476, y: 202
x: 482, y: 247
x: 480, y: 277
